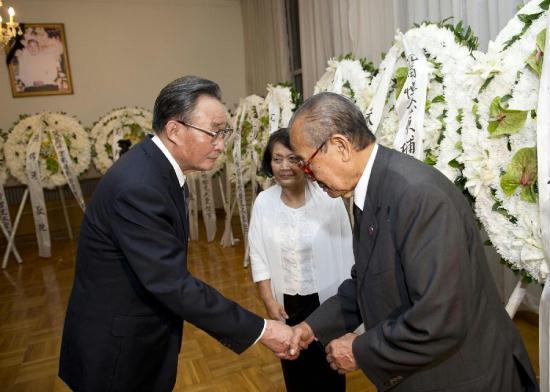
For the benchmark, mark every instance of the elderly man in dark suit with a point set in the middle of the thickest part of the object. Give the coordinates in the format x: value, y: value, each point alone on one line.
x: 132, y: 289
x: 420, y: 283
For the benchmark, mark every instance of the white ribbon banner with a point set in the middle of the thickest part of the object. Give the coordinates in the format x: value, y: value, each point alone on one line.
x: 207, y: 204
x: 5, y: 219
x: 67, y: 166
x: 274, y: 116
x: 37, y: 194
x: 338, y: 82
x: 118, y: 133
x: 239, y: 183
x: 376, y: 108
x: 543, y: 155
x: 193, y: 208
x: 411, y: 103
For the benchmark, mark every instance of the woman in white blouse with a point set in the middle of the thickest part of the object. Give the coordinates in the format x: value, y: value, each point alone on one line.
x: 300, y: 250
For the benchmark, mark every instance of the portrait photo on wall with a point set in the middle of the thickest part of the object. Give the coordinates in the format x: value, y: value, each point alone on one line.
x: 39, y: 62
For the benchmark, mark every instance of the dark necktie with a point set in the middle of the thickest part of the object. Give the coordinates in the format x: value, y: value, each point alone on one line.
x: 186, y: 197
x: 357, y: 214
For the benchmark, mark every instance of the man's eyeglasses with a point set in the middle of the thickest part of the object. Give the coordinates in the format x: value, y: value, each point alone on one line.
x: 222, y: 134
x: 306, y: 165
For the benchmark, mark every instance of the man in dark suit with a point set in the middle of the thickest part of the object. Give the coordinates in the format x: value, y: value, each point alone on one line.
x: 132, y: 289
x: 420, y: 283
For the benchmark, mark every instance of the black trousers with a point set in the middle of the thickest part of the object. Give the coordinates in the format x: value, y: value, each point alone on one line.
x: 311, y: 371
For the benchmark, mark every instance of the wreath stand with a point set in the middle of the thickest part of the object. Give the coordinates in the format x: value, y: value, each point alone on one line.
x: 11, y: 236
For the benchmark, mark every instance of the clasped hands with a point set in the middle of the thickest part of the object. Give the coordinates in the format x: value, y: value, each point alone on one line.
x: 287, y: 342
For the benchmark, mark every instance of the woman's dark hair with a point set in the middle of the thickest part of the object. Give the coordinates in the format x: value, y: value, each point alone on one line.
x: 279, y: 136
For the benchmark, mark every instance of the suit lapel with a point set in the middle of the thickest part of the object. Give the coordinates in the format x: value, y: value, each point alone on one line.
x: 170, y: 179
x: 366, y: 233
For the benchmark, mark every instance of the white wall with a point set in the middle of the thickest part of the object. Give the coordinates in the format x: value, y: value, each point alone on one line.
x: 122, y: 52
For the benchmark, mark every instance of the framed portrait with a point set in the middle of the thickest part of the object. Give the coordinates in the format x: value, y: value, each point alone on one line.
x: 40, y: 62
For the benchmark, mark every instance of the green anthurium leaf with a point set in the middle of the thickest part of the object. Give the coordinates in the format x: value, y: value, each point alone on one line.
x: 528, y: 194
x: 400, y: 78
x: 505, y: 121
x: 494, y: 109
x: 521, y: 172
x: 541, y: 40
x: 535, y: 59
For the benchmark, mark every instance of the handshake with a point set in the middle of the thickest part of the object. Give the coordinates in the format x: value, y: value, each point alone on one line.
x: 287, y: 342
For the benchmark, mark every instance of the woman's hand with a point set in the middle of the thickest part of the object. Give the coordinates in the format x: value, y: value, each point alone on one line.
x: 275, y: 310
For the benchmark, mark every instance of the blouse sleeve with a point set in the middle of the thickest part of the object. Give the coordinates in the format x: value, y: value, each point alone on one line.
x: 258, y: 254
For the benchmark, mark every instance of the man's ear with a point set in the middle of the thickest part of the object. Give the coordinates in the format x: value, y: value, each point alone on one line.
x: 171, y: 130
x: 343, y: 146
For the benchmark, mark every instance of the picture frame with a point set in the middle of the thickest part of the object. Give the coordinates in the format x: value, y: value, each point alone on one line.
x: 40, y: 63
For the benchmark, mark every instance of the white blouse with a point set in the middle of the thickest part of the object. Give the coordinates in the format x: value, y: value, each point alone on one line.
x: 303, y: 251
x: 294, y: 232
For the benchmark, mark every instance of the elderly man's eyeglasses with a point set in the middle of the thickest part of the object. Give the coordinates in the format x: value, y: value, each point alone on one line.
x: 306, y: 165
x: 221, y: 134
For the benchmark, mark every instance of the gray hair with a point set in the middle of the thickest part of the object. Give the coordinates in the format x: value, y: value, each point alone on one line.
x: 177, y: 100
x: 326, y: 114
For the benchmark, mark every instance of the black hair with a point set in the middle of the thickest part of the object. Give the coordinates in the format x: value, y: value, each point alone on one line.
x: 177, y: 100
x: 279, y: 136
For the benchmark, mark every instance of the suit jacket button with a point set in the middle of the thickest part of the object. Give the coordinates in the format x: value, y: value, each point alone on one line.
x: 371, y: 231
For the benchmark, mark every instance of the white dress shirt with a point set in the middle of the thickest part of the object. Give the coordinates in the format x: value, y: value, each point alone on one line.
x: 360, y: 191
x: 173, y: 162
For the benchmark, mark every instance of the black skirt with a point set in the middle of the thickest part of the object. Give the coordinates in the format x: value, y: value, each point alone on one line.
x: 310, y: 371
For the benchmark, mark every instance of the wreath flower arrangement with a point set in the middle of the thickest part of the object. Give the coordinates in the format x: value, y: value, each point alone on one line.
x: 51, y: 175
x: 448, y: 54
x: 130, y: 124
x: 499, y: 141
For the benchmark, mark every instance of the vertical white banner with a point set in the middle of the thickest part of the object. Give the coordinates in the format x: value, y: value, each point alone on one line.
x: 207, y: 205
x: 239, y: 182
x: 193, y: 208
x: 376, y: 107
x: 543, y: 155
x: 66, y: 164
x: 37, y: 194
x: 411, y: 103
x: 5, y: 219
x: 274, y: 115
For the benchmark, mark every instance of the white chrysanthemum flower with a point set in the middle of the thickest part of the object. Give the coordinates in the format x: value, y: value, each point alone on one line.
x: 488, y: 64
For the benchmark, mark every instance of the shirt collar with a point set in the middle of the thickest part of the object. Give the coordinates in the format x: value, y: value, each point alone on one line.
x: 177, y: 168
x: 360, y: 192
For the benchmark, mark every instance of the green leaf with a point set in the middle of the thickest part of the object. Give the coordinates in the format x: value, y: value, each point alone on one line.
x: 494, y: 109
x: 486, y: 83
x: 52, y: 165
x: 527, y: 20
x: 535, y: 59
x: 400, y: 78
x: 521, y: 172
x: 544, y: 4
x: 505, y: 121
x: 456, y: 165
x: 430, y: 158
x: 438, y: 99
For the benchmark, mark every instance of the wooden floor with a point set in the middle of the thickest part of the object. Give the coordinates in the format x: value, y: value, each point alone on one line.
x: 33, y: 298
